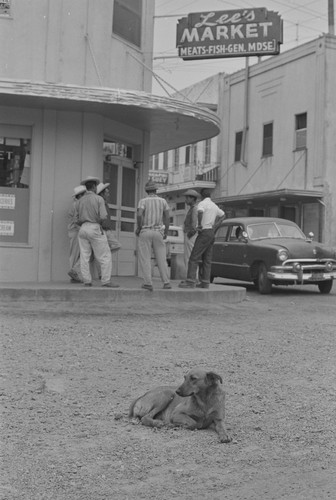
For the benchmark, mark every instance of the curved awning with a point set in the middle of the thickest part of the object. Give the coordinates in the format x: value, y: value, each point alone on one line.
x: 171, y: 123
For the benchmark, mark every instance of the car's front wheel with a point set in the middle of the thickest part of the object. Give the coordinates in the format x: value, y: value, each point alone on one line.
x: 264, y: 283
x: 325, y: 286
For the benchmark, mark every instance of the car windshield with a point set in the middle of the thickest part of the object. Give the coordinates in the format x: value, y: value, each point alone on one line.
x: 273, y: 230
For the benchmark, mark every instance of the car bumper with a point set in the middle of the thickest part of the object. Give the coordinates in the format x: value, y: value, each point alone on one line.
x: 280, y: 275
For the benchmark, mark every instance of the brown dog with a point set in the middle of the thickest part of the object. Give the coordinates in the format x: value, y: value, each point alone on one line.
x: 196, y: 404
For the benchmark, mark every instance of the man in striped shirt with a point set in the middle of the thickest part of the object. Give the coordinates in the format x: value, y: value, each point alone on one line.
x: 152, y: 229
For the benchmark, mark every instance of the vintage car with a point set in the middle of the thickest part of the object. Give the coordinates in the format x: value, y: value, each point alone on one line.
x: 271, y: 251
x: 174, y: 242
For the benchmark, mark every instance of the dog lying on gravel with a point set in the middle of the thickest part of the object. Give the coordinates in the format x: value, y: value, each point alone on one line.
x: 197, y: 404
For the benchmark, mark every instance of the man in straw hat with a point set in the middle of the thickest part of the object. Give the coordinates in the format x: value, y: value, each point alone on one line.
x: 107, y: 225
x: 190, y: 224
x: 91, y: 237
x: 73, y: 228
x: 209, y: 217
x: 152, y: 229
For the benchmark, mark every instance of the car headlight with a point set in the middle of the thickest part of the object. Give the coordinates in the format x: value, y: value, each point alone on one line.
x: 282, y: 255
x: 329, y: 266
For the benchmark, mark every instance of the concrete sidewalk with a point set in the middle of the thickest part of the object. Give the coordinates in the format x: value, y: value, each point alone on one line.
x: 130, y: 291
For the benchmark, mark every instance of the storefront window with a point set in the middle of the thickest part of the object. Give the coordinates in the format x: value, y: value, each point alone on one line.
x: 15, y: 181
x: 14, y: 162
x: 112, y: 148
x: 5, y: 8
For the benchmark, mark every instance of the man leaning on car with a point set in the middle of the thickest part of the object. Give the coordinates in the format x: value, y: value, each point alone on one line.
x: 209, y: 216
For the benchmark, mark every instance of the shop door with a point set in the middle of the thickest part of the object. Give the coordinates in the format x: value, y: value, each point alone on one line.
x: 122, y: 176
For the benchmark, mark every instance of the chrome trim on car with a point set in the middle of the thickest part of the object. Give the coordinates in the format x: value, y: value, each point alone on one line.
x: 308, y: 271
x: 297, y: 278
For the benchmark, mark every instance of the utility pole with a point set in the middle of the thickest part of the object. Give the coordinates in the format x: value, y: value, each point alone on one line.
x: 331, y: 22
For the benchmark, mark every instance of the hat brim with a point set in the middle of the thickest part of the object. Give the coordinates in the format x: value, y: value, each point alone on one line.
x: 192, y: 193
x: 92, y: 179
x: 104, y: 186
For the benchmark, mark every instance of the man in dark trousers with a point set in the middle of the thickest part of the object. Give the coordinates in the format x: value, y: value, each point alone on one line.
x: 209, y: 216
x: 190, y: 224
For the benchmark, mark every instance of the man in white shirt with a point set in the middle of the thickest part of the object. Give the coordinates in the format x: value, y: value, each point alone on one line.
x: 209, y: 217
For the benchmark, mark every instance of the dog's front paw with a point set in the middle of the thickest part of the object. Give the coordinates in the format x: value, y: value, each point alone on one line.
x: 225, y: 439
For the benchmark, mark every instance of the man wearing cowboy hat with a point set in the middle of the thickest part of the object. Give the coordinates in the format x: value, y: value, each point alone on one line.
x: 107, y: 225
x: 73, y: 228
x: 190, y: 224
x: 91, y: 213
x: 152, y: 229
x: 209, y: 217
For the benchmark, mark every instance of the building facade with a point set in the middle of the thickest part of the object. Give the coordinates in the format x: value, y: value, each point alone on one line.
x: 276, y: 151
x: 75, y: 100
x: 195, y: 165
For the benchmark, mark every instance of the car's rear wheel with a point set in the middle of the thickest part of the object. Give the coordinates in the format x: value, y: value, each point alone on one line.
x: 264, y: 283
x: 325, y: 286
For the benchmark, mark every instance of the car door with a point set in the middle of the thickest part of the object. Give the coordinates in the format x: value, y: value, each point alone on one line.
x: 230, y: 252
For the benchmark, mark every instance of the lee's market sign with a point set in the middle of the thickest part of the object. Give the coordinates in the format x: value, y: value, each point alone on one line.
x: 230, y: 33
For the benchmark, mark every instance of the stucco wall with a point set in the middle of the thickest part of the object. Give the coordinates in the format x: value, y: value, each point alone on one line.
x: 276, y: 93
x: 66, y: 147
x: 71, y: 41
x: 330, y: 142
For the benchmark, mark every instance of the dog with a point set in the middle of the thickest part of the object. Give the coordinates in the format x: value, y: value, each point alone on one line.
x: 197, y: 404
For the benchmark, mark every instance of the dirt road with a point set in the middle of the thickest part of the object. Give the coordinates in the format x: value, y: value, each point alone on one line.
x: 69, y: 374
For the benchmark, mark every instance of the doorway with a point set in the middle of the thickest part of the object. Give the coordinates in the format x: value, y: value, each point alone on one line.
x: 122, y: 176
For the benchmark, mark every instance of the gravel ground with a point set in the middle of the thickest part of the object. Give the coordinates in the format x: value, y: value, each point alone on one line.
x: 69, y: 373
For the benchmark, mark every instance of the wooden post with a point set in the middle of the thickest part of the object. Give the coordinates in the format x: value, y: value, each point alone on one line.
x: 331, y: 23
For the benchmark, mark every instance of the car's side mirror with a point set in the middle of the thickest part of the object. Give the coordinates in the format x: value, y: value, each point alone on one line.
x: 311, y: 235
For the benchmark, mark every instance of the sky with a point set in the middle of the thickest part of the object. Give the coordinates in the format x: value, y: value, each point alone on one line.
x: 303, y: 20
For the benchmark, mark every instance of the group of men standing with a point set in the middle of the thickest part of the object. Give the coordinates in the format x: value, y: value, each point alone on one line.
x: 91, y: 235
x: 89, y: 217
x: 200, y: 226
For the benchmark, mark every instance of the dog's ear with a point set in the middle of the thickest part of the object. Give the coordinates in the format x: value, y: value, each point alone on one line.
x: 212, y: 378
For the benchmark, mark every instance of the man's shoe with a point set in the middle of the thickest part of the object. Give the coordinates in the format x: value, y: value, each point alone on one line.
x: 147, y: 287
x: 73, y: 280
x: 73, y: 275
x: 111, y: 285
x: 202, y: 285
x: 187, y: 284
x: 87, y: 284
x: 167, y: 286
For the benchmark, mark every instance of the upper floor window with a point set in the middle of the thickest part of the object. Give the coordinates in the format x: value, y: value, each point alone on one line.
x: 300, y: 131
x: 127, y: 20
x: 155, y: 162
x: 188, y: 155
x: 267, y: 148
x: 165, y: 160
x: 176, y: 159
x: 207, y: 151
x: 194, y: 153
x: 238, y: 146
